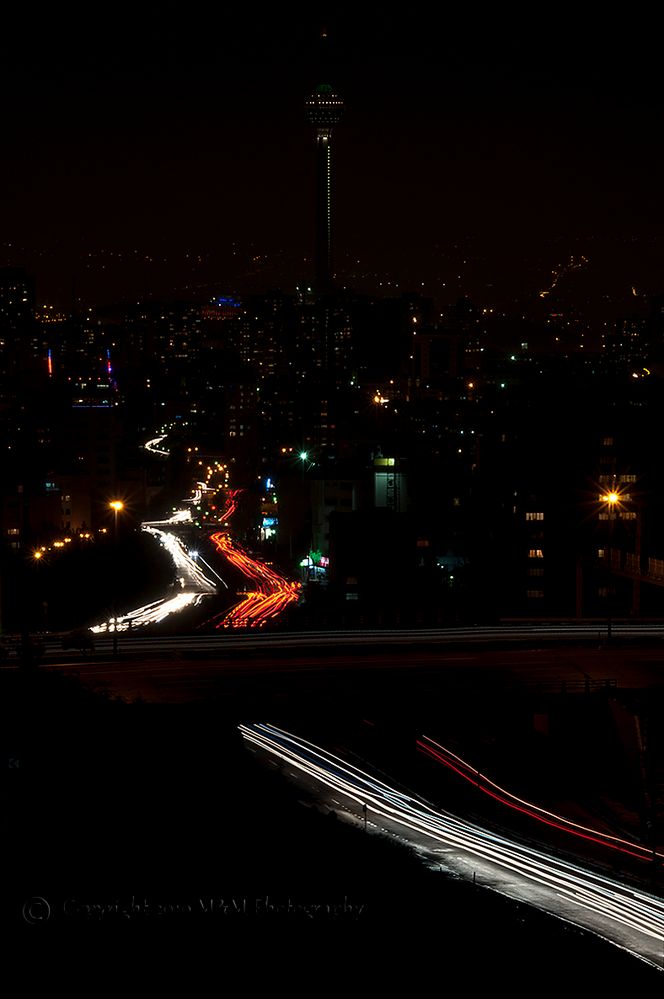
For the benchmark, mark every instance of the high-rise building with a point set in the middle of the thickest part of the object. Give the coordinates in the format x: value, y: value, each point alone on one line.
x: 324, y: 109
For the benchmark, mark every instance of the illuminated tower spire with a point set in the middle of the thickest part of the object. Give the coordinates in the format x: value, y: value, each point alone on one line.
x: 324, y: 109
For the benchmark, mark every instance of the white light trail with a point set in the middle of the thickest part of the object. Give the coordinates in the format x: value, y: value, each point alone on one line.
x: 195, y: 578
x: 195, y: 586
x: 151, y: 445
x: 178, y: 517
x: 629, y: 917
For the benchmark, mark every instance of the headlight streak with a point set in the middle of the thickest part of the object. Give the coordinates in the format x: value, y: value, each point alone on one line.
x: 470, y: 774
x: 179, y: 517
x: 585, y: 899
x: 151, y: 613
x: 184, y: 563
x: 195, y: 587
x: 214, y: 571
x: 152, y: 445
x: 596, y: 893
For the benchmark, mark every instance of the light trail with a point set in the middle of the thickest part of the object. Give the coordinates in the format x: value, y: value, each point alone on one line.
x: 449, y: 759
x: 628, y: 917
x: 195, y: 578
x: 151, y: 445
x: 193, y: 582
x: 198, y: 556
x: 150, y: 613
x: 199, y: 491
x: 191, y: 579
x: 178, y: 517
x: 272, y: 595
x: 232, y: 500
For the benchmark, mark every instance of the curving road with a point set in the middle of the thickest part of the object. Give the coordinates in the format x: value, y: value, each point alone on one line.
x: 630, y: 918
x: 192, y: 583
x: 271, y: 594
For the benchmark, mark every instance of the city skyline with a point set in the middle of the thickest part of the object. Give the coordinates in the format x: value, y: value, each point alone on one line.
x: 472, y: 159
x: 357, y: 441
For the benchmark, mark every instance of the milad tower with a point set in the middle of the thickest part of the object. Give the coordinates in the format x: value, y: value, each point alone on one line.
x: 324, y: 109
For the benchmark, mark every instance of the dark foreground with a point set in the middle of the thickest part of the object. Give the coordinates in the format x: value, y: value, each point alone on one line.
x: 150, y: 829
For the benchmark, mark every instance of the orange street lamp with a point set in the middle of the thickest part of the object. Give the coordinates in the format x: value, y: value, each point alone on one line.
x: 612, y: 500
x: 116, y: 506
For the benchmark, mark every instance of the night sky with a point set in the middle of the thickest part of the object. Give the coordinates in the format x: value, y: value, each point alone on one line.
x: 139, y: 138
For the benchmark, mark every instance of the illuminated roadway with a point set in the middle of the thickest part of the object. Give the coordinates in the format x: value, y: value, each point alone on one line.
x: 191, y: 582
x: 434, y: 750
x: 630, y: 918
x: 270, y: 596
x: 311, y: 669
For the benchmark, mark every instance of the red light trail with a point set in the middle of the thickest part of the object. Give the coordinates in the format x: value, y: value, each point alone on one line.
x: 471, y: 774
x: 272, y: 594
x: 232, y: 500
x: 628, y: 916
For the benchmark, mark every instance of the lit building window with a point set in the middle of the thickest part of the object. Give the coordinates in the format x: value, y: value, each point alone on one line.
x: 534, y: 516
x: 535, y: 594
x: 535, y: 553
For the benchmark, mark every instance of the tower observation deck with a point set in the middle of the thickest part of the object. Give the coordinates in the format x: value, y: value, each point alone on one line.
x: 324, y: 109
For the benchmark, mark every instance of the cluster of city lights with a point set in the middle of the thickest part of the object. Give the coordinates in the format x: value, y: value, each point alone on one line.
x: 214, y: 479
x: 573, y: 265
x: 62, y: 543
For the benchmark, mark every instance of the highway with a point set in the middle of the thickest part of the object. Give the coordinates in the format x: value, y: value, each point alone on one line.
x: 434, y: 750
x: 192, y: 583
x: 325, y: 639
x: 186, y: 667
x: 271, y: 593
x: 629, y: 918
x: 270, y: 596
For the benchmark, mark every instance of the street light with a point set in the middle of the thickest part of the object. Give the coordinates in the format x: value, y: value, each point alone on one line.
x: 612, y: 499
x: 116, y: 506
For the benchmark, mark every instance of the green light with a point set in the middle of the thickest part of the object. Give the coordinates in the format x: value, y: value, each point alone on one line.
x: 304, y: 455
